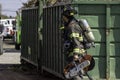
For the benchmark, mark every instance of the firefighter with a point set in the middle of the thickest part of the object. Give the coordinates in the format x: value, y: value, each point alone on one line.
x: 73, y: 37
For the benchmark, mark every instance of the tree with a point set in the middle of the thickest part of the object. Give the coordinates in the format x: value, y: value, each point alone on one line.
x: 30, y: 3
x: 3, y: 16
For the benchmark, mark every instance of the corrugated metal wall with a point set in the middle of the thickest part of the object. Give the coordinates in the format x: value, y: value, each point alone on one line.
x: 29, y: 34
x: 52, y: 52
x: 104, y: 20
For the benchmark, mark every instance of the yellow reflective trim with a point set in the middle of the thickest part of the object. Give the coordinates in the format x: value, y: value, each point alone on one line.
x: 71, y: 14
x: 71, y: 54
x: 64, y: 9
x: 74, y: 35
x: 62, y: 27
x: 80, y: 38
x: 76, y: 50
x: 82, y: 51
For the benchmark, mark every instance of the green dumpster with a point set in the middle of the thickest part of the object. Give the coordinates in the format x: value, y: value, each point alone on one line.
x: 104, y: 18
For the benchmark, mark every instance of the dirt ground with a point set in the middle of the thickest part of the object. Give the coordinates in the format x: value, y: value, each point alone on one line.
x: 11, y: 69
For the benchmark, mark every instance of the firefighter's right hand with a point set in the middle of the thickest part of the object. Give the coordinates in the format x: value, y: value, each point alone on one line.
x: 75, y: 57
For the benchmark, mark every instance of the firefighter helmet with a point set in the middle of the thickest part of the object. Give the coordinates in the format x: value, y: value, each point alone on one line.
x: 68, y: 11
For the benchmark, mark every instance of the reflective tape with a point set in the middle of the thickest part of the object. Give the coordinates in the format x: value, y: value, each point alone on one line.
x: 71, y: 14
x: 80, y: 38
x: 65, y: 9
x: 78, y: 51
x: 82, y: 51
x: 74, y: 35
x: 62, y: 27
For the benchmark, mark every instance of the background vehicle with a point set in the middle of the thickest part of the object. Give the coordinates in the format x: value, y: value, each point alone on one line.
x: 9, y: 26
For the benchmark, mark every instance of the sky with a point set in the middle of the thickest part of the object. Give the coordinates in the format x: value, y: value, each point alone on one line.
x: 9, y: 7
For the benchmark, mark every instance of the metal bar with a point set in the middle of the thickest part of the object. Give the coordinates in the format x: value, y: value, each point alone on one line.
x: 97, y: 2
x: 40, y: 26
x: 108, y: 42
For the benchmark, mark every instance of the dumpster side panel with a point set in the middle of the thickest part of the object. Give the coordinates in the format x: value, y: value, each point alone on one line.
x: 115, y: 42
x: 52, y: 53
x: 29, y: 33
x: 96, y: 17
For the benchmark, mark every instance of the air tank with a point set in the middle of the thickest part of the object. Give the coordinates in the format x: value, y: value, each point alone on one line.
x: 87, y: 30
